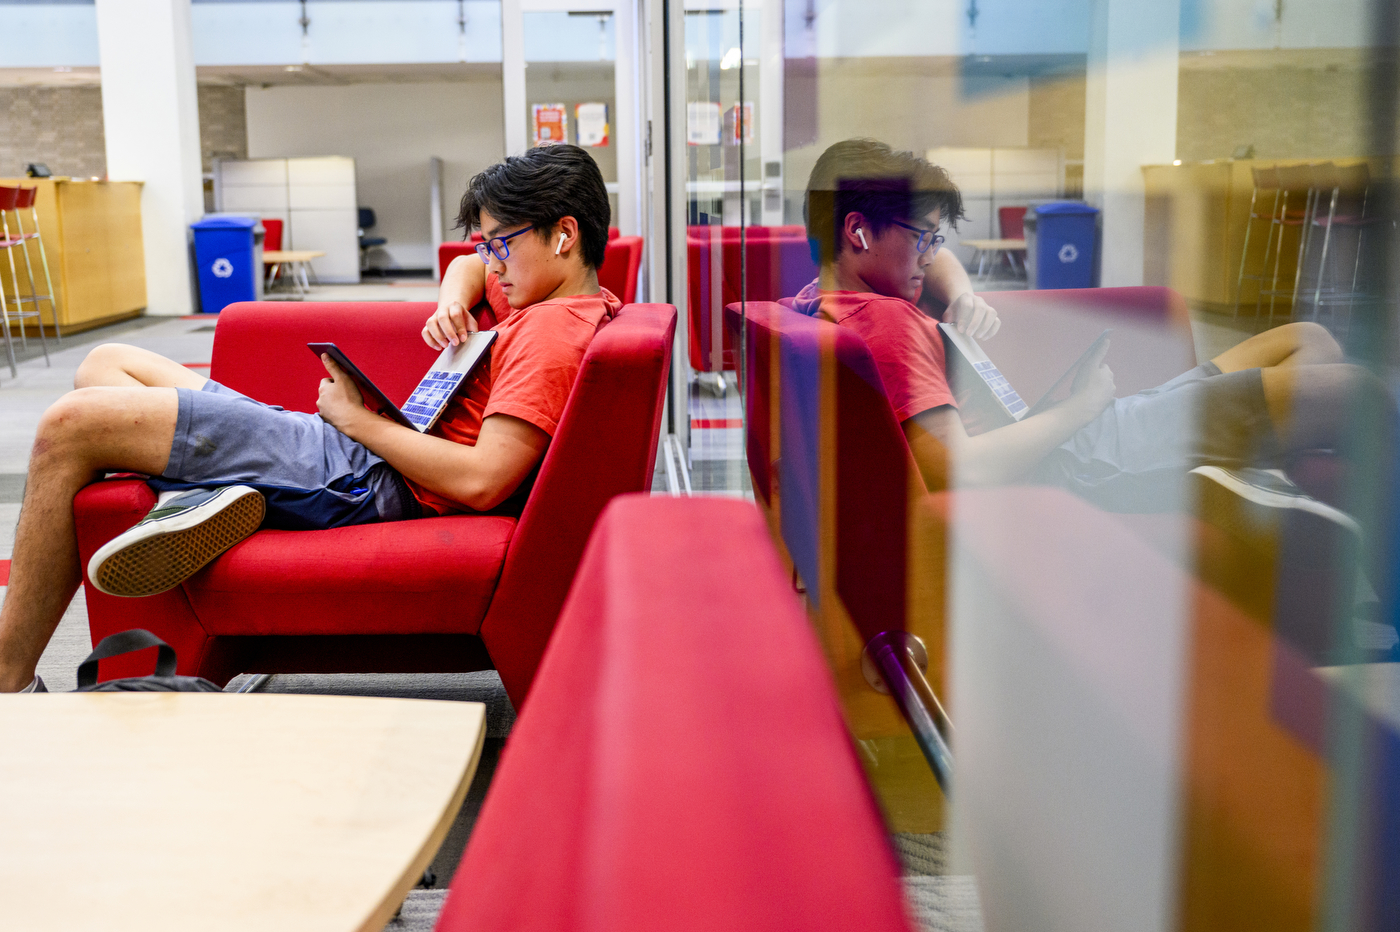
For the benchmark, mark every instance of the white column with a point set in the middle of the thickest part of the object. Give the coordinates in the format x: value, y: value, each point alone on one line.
x: 1130, y: 121
x: 513, y: 77
x: 150, y: 115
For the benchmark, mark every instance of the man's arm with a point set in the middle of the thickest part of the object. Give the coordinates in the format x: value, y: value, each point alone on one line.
x: 947, y: 282
x: 479, y: 477
x: 463, y: 286
x: 1007, y: 453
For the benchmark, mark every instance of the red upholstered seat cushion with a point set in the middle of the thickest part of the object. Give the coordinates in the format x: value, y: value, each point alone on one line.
x: 432, y: 576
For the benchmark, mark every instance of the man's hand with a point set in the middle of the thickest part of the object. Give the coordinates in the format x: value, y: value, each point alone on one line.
x: 339, y: 402
x: 450, y: 325
x: 972, y: 316
x: 1093, y: 385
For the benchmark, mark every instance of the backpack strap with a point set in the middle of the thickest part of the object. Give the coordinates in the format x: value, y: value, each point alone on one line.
x: 124, y: 642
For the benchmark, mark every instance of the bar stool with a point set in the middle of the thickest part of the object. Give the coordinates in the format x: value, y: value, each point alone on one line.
x: 28, y: 199
x: 1289, y: 185
x: 9, y: 198
x: 1346, y: 189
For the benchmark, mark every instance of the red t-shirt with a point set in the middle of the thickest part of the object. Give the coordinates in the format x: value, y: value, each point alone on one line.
x: 904, y: 341
x: 536, y: 355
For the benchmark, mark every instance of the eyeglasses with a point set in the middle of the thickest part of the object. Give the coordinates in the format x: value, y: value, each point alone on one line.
x: 497, y: 247
x: 927, y: 238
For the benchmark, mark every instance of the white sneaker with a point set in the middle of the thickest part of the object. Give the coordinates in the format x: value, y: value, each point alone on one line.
x: 176, y: 540
x: 1262, y: 495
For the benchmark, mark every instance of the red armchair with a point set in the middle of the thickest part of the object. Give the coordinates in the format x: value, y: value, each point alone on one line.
x: 682, y: 762
x: 439, y: 594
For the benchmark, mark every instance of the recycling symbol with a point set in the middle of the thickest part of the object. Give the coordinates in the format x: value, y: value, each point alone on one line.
x: 224, y: 269
x: 1068, y: 253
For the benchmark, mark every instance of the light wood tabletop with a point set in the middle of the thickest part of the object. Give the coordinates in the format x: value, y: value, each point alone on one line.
x: 213, y: 811
x: 279, y: 256
x: 987, y: 244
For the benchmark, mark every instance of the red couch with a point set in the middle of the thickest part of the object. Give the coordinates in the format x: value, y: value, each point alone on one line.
x: 682, y: 763
x: 437, y: 594
x: 618, y: 273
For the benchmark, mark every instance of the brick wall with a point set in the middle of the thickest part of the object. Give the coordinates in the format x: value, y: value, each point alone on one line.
x: 59, y: 126
x: 62, y: 127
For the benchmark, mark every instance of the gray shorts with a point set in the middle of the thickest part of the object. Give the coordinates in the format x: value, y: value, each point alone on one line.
x: 1136, y: 454
x: 311, y: 474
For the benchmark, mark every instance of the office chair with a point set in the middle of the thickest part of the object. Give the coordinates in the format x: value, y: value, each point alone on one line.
x: 367, y: 243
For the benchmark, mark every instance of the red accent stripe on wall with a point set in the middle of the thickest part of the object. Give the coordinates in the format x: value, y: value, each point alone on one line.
x: 716, y: 422
x: 4, y: 572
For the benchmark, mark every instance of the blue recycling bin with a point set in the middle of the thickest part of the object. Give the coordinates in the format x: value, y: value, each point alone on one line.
x: 224, y: 251
x: 1060, y: 244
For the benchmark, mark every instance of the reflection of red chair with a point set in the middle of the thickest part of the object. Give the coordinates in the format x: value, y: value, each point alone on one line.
x: 630, y: 799
x: 465, y: 592
x: 1012, y: 221
x: 779, y: 264
x: 618, y: 274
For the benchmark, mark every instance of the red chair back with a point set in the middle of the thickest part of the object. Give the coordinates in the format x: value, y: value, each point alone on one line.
x: 272, y: 237
x: 384, y: 342
x: 621, y: 262
x: 9, y: 198
x: 871, y: 471
x: 605, y: 446
x: 680, y: 614
x: 1012, y: 221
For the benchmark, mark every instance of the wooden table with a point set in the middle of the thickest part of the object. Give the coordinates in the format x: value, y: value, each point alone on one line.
x: 211, y: 811
x: 985, y: 248
x: 296, y: 260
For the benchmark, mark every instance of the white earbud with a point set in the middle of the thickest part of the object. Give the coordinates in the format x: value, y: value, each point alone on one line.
x: 562, y: 237
x: 861, y: 234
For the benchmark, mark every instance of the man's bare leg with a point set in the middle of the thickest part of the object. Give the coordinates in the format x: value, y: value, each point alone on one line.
x: 84, y: 433
x: 1300, y: 344
x: 120, y: 365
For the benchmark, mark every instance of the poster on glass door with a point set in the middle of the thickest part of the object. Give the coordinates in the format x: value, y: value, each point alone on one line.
x: 551, y: 123
x: 592, y: 124
x: 702, y: 123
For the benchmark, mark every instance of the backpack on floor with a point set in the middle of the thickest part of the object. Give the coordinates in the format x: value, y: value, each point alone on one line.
x: 162, y: 681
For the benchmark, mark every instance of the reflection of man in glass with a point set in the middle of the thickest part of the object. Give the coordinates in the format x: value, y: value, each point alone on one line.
x: 876, y: 215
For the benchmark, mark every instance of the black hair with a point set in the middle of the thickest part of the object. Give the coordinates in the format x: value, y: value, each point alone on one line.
x: 540, y: 188
x: 866, y: 176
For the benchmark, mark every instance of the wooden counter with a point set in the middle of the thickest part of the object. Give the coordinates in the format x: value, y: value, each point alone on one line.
x: 1195, y: 229
x: 92, y: 235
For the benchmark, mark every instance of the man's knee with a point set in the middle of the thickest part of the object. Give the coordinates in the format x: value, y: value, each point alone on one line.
x: 69, y: 419
x: 1315, y: 339
x: 100, y: 361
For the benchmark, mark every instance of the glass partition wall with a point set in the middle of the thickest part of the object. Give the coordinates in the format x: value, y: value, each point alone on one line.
x: 1056, y: 342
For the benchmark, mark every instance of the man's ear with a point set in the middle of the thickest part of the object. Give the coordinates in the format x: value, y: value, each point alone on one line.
x: 564, y: 238
x: 854, y: 221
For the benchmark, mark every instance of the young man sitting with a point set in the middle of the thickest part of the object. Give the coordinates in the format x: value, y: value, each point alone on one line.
x: 227, y: 464
x: 876, y: 214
